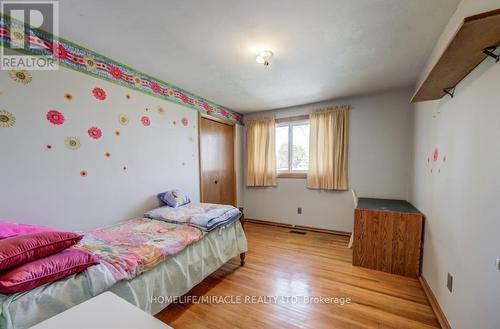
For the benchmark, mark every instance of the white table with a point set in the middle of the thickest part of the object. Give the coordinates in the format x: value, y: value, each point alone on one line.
x: 103, y: 312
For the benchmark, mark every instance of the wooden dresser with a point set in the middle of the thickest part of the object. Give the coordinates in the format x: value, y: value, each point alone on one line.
x: 388, y: 236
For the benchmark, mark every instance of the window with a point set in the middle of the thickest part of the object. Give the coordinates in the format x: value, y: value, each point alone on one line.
x: 292, y: 146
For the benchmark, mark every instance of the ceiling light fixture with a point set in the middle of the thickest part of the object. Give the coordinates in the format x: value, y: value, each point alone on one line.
x: 264, y: 58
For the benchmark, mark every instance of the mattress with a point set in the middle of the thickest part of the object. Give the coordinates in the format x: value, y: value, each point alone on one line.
x: 173, y: 277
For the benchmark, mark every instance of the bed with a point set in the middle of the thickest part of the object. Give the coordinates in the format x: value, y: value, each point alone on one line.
x: 144, y: 261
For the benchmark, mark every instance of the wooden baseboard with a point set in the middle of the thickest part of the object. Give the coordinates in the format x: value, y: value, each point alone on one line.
x: 434, y: 304
x: 298, y: 227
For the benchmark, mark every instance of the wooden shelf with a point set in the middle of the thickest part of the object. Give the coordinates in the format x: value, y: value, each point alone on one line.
x: 463, y: 54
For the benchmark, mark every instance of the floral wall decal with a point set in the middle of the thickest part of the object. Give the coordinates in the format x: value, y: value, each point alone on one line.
x: 137, y: 81
x: 17, y: 35
x: 21, y: 76
x: 127, y: 96
x: 51, y: 151
x: 59, y: 51
x: 435, y: 155
x: 72, y: 143
x: 55, y: 117
x: 95, y: 132
x: 184, y: 122
x: 123, y: 119
x: 145, y: 121
x: 83, y: 60
x: 7, y: 119
x: 90, y: 63
x: 155, y: 87
x: 116, y: 72
x: 99, y: 93
x: 174, y: 122
x: 161, y: 110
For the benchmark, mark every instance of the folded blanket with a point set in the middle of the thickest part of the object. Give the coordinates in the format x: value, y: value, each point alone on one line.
x: 132, y: 247
x: 205, y: 216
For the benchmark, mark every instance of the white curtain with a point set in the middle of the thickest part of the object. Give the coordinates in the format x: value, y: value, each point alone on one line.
x: 261, y: 152
x: 328, y: 149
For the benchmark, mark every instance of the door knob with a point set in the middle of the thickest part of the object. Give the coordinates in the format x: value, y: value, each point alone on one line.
x: 216, y: 182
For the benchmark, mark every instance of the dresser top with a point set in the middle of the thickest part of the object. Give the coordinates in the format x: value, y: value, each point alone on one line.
x: 387, y: 205
x: 102, y: 312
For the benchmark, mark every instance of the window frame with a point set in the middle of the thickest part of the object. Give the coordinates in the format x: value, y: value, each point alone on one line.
x: 290, y: 123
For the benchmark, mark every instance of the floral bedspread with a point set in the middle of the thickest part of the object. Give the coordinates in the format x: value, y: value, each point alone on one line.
x: 132, y: 247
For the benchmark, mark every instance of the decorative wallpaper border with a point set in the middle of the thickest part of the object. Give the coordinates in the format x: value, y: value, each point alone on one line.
x: 86, y: 61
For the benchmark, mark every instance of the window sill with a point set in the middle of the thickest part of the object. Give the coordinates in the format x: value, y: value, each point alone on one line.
x: 292, y: 175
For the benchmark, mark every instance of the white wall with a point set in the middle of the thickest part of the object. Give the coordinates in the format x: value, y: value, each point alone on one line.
x: 41, y: 186
x: 459, y: 196
x: 379, y: 141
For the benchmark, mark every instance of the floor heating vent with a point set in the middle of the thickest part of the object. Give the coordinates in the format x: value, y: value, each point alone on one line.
x: 298, y: 232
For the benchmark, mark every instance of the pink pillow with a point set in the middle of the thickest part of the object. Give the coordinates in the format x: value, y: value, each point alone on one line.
x: 22, y: 249
x: 45, y: 270
x: 8, y: 229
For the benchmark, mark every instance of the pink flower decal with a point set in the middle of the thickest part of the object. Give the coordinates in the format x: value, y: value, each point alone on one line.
x: 95, y: 132
x: 145, y: 121
x: 184, y: 121
x: 116, y: 72
x: 155, y: 87
x: 55, y: 117
x: 436, y: 155
x: 59, y: 51
x: 99, y: 93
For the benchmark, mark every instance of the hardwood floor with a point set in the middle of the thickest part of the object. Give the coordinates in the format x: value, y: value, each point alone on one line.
x: 280, y: 263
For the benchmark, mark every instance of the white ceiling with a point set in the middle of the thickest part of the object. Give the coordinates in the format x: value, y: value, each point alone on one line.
x: 324, y: 49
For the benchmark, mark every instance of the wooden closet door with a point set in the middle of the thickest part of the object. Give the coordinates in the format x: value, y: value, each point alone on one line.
x: 217, y: 172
